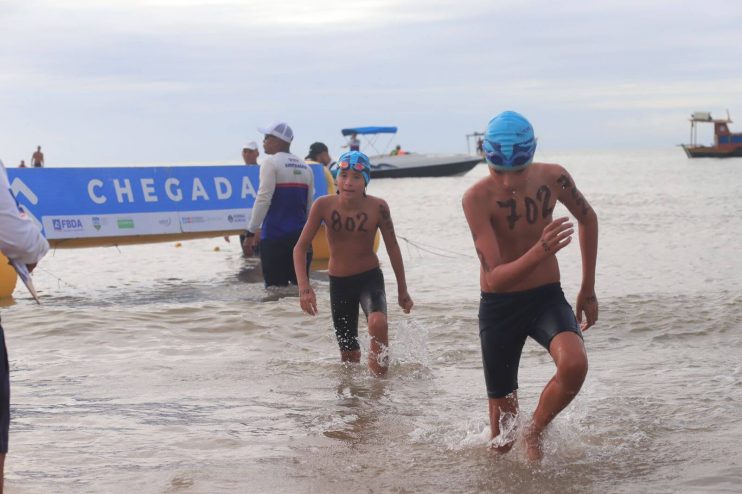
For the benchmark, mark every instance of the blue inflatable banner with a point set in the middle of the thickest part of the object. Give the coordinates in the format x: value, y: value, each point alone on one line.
x: 76, y: 203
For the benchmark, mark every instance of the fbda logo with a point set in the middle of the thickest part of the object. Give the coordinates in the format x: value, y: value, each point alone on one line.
x: 66, y: 225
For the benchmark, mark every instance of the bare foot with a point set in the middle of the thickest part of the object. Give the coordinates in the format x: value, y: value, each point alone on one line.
x: 376, y: 369
x: 499, y: 449
x: 532, y: 437
x: 508, y: 426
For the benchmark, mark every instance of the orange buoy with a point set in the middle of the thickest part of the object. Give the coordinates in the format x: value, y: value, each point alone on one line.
x: 8, y: 277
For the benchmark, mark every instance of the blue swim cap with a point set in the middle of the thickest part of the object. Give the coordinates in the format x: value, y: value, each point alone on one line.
x: 353, y: 160
x: 509, y: 143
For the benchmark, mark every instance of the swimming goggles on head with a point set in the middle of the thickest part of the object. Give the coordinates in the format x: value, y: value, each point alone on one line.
x: 522, y: 154
x: 345, y: 165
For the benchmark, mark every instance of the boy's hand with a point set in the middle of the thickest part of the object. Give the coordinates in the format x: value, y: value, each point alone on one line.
x: 587, y: 303
x: 556, y: 236
x: 308, y: 301
x: 405, y: 301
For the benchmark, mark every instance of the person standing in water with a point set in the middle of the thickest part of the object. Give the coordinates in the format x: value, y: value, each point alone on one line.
x: 250, y: 153
x: 509, y: 213
x: 22, y: 241
x: 284, y: 197
x: 352, y: 219
x: 318, y: 153
x: 37, y: 159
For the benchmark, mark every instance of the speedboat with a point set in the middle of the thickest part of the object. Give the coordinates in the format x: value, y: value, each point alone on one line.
x: 406, y: 164
x: 422, y: 165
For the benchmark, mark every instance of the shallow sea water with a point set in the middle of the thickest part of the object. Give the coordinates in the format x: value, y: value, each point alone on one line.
x: 170, y: 369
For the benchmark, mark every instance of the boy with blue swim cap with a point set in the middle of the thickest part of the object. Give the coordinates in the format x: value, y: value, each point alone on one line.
x: 352, y: 219
x: 509, y: 143
x: 509, y: 213
x: 354, y: 160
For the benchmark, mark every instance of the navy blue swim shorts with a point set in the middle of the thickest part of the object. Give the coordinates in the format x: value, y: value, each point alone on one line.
x: 507, y: 319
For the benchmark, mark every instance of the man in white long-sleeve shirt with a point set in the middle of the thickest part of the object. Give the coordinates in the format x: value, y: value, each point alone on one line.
x: 281, y: 207
x: 20, y: 240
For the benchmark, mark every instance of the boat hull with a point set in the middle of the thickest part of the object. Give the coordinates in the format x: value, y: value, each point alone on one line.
x: 422, y: 165
x: 712, y: 152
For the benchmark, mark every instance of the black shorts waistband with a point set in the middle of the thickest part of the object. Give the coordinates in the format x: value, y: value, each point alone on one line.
x: 356, y: 276
x: 555, y: 287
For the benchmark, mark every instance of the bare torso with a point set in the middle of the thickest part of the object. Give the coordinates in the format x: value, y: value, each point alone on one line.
x: 519, y: 219
x: 351, y: 231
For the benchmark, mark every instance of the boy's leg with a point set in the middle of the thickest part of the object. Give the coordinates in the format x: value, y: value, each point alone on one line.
x: 502, y: 336
x: 568, y: 352
x: 505, y: 407
x: 373, y: 302
x: 344, y: 307
x: 378, y: 330
x: 350, y: 356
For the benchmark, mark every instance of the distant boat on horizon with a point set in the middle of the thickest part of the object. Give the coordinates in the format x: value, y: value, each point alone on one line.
x: 726, y: 143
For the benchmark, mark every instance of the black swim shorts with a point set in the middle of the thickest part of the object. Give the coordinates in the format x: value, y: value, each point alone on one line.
x: 346, y: 292
x: 4, y: 394
x: 507, y: 319
x: 277, y: 259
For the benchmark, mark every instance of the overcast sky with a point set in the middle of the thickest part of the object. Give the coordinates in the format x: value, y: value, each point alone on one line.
x: 110, y: 82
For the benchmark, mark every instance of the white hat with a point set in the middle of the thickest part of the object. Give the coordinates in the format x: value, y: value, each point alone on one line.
x: 280, y: 130
x: 252, y: 146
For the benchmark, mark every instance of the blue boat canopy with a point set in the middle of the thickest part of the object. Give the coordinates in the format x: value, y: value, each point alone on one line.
x: 369, y: 130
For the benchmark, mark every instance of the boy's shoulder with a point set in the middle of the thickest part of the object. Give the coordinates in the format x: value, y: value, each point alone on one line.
x: 375, y: 201
x: 479, y: 189
x: 549, y: 170
x: 326, y: 200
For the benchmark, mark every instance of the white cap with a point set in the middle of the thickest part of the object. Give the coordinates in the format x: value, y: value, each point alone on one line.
x: 252, y: 146
x: 280, y: 130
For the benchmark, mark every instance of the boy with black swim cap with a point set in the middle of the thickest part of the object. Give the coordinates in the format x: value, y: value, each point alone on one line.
x: 510, y: 217
x: 352, y: 219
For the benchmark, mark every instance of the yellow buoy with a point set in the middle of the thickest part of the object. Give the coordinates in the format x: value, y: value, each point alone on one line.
x: 319, y: 243
x: 8, y: 278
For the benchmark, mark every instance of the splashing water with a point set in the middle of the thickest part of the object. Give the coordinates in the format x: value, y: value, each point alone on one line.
x: 410, y: 345
x: 509, y: 425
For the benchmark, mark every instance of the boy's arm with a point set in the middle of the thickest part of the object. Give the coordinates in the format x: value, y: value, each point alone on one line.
x: 395, y: 255
x: 575, y: 202
x: 500, y: 276
x: 307, y: 299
